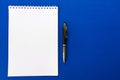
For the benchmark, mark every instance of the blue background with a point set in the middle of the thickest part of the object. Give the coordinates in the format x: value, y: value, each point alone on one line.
x: 93, y: 39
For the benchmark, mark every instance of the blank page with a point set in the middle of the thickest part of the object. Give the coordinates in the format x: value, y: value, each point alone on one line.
x: 33, y: 41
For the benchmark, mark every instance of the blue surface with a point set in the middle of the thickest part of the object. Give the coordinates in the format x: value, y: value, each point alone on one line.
x: 93, y: 39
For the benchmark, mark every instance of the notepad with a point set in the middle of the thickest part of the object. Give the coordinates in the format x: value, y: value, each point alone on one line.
x: 33, y: 41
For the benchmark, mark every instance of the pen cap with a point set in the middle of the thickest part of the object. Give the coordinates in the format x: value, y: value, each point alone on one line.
x: 64, y: 33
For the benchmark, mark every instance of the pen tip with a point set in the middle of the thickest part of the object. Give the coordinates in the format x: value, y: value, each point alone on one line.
x: 64, y: 61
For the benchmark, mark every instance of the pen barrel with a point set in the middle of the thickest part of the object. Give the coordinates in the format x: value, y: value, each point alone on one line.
x: 64, y: 53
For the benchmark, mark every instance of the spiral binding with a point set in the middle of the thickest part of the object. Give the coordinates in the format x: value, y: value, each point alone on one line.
x: 33, y: 7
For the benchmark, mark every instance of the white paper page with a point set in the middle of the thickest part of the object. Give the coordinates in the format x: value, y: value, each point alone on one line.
x: 33, y: 41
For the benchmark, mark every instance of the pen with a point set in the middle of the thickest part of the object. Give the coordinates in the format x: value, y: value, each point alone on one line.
x: 64, y: 42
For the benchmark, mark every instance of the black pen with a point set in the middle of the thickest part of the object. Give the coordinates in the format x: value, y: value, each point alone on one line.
x: 64, y: 41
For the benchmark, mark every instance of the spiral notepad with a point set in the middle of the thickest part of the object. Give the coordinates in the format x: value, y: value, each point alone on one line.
x: 33, y: 41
